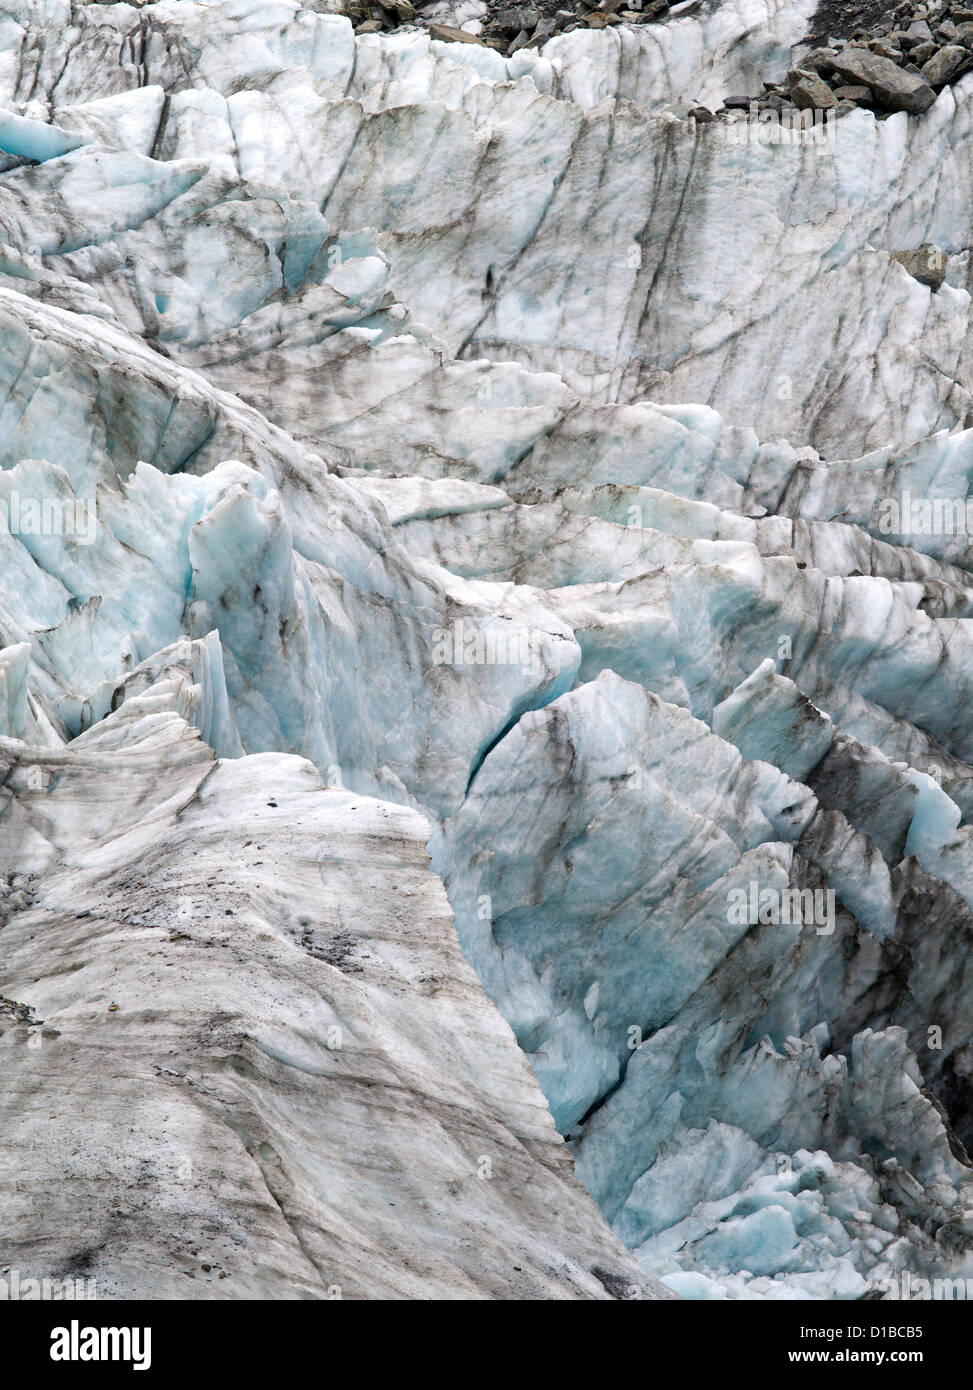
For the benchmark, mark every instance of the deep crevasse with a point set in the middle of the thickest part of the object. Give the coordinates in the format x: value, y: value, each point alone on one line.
x: 525, y: 447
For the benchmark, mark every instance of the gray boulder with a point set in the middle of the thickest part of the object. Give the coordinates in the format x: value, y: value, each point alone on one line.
x: 513, y: 20
x: 927, y: 264
x: 819, y: 59
x: 944, y: 64
x: 895, y: 89
x: 809, y: 91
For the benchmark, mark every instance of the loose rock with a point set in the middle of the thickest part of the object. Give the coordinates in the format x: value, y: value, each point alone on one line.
x: 846, y: 93
x: 922, y: 53
x: 893, y: 87
x: 927, y: 264
x: 820, y: 59
x: 885, y: 49
x: 512, y: 21
x: 448, y: 34
x: 809, y: 91
x: 944, y: 64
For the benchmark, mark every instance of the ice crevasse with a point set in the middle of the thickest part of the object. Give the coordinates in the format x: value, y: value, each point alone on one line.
x: 446, y: 624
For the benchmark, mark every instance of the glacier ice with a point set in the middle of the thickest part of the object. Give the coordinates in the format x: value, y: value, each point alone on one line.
x: 478, y: 459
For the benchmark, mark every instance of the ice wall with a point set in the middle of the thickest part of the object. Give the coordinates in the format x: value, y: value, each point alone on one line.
x: 513, y: 451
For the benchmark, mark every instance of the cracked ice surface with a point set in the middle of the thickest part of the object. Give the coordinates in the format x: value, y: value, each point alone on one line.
x: 481, y: 456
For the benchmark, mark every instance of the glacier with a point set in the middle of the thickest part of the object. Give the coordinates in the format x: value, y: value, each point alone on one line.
x: 452, y: 483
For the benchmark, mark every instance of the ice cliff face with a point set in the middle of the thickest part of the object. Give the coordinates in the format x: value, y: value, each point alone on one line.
x: 261, y: 976
x: 404, y: 443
